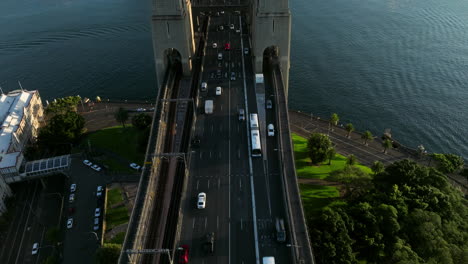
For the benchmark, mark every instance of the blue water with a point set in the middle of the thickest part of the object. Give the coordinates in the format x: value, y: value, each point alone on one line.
x: 399, y: 64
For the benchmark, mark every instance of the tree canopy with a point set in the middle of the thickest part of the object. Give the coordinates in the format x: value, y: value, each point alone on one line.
x: 408, y: 214
x: 108, y: 253
x: 141, y: 121
x: 121, y: 116
x: 63, y: 105
x: 448, y: 163
x: 319, y: 146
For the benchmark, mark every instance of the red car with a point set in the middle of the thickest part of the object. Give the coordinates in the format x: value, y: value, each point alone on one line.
x: 183, y: 259
x: 227, y: 46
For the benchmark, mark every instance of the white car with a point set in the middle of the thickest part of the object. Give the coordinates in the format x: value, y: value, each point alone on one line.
x: 218, y: 90
x: 135, y: 166
x: 246, y: 51
x: 233, y: 76
x: 97, y: 212
x: 70, y: 223
x: 96, y: 224
x: 35, y: 248
x: 269, y: 104
x: 271, y: 130
x: 215, y: 45
x: 87, y: 163
x: 231, y: 26
x: 237, y: 30
x: 96, y: 167
x: 201, y: 200
x: 141, y: 110
x: 99, y: 191
x: 73, y: 187
x: 71, y: 199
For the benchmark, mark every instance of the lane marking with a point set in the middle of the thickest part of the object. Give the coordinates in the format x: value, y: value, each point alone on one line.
x: 242, y: 226
x: 210, y: 154
x: 198, y: 181
x: 217, y: 222
x: 240, y: 184
x: 219, y: 182
x: 208, y: 183
x: 193, y: 224
x: 206, y: 221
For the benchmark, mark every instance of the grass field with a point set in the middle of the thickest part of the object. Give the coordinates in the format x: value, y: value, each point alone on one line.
x: 122, y: 141
x: 118, y: 239
x: 118, y: 215
x: 316, y: 197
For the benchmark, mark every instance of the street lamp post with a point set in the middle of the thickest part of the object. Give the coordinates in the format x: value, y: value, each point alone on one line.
x: 61, y: 206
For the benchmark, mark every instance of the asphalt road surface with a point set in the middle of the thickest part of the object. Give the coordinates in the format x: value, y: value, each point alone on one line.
x: 221, y: 166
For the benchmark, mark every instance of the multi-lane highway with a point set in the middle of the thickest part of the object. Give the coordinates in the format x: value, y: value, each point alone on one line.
x: 244, y: 195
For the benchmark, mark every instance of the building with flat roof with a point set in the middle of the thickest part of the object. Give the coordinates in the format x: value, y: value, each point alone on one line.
x: 21, y: 115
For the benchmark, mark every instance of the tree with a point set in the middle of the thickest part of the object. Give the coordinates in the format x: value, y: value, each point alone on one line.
x: 53, y: 235
x: 377, y: 167
x: 387, y: 144
x: 63, y: 105
x: 318, y: 145
x: 334, y: 120
x: 448, y: 163
x: 330, y: 155
x: 121, y: 116
x: 349, y: 128
x: 351, y: 160
x: 367, y: 136
x: 354, y: 180
x: 108, y: 253
x: 141, y: 121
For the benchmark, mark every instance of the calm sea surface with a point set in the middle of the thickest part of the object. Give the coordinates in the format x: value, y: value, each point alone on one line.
x: 399, y: 64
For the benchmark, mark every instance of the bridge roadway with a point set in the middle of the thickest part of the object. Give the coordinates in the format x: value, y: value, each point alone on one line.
x: 221, y: 168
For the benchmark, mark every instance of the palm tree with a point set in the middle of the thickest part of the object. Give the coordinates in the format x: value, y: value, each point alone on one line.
x: 377, y: 167
x: 387, y: 144
x: 350, y: 128
x: 331, y: 154
x: 334, y: 120
x: 121, y: 116
x: 351, y: 160
x: 367, y: 136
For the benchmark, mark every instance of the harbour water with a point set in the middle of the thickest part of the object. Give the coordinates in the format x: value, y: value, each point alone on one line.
x: 399, y: 64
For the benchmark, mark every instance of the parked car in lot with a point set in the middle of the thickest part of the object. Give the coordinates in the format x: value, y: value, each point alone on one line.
x: 87, y: 163
x: 96, y: 167
x: 73, y: 187
x: 201, y: 200
x: 135, y: 166
x: 183, y: 259
x: 97, y: 212
x: 70, y: 223
x: 71, y: 198
x: 35, y: 248
x: 99, y: 191
x: 96, y: 224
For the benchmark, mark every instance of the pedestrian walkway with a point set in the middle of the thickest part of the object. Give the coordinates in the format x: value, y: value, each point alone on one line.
x: 304, y: 124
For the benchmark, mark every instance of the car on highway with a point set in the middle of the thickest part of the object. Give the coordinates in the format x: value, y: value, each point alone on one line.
x: 204, y: 86
x: 233, y: 76
x: 222, y: 12
x: 70, y: 223
x: 99, y: 191
x: 227, y: 46
x: 73, y: 187
x: 241, y: 114
x: 271, y: 130
x: 135, y: 166
x: 183, y: 258
x: 96, y: 167
x: 246, y: 51
x: 269, y: 104
x: 231, y: 26
x: 215, y: 45
x: 209, y: 243
x: 237, y: 30
x: 71, y: 198
x: 87, y: 163
x: 141, y: 109
x: 221, y: 28
x: 35, y: 248
x: 201, y: 203
x: 220, y: 56
x: 218, y: 90
x: 219, y: 74
x: 96, y: 224
x: 97, y: 212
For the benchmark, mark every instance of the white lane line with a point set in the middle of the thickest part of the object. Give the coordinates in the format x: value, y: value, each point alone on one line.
x: 221, y: 107
x: 238, y: 129
x: 212, y: 128
x: 240, y: 184
x: 217, y: 222
x: 193, y: 224
x: 206, y: 221
x: 229, y: 158
x: 238, y: 153
x: 254, y: 209
x: 242, y: 226
x: 208, y: 184
x: 219, y: 182
x: 201, y: 154
x: 221, y: 127
x: 210, y: 154
x: 198, y: 181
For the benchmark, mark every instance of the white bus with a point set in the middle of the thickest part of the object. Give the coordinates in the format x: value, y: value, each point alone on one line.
x: 256, y: 145
x: 254, y: 122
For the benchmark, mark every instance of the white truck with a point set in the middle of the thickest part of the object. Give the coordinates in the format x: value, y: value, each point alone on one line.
x: 208, y: 106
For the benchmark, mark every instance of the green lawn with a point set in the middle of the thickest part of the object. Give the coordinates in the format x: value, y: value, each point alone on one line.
x: 118, y: 239
x: 122, y: 141
x: 118, y: 215
x: 306, y: 170
x: 316, y: 197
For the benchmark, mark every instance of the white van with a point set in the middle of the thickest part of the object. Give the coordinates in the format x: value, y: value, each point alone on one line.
x: 271, y: 130
x: 220, y: 56
x: 268, y: 260
x: 204, y: 86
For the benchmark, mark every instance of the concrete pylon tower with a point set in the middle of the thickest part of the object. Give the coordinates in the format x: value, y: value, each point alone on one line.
x: 172, y: 29
x: 271, y: 26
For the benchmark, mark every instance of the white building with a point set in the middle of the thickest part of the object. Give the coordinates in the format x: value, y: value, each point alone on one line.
x: 21, y: 114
